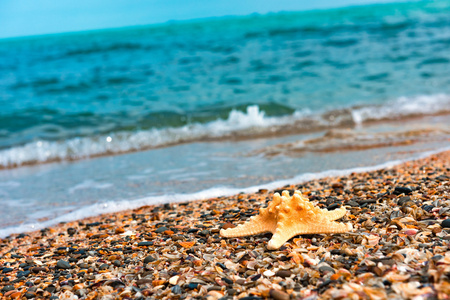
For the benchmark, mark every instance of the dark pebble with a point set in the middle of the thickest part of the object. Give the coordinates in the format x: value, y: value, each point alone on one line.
x: 23, y: 273
x: 333, y: 206
x: 62, y: 264
x: 437, y: 257
x: 7, y: 288
x: 145, y: 244
x: 232, y: 292
x: 283, y: 273
x: 427, y: 207
x: 250, y: 298
x: 176, y: 289
x: 161, y: 229
x: 143, y: 281
x: 93, y: 224
x: 7, y: 270
x: 443, y: 178
x: 104, y: 267
x: 117, y: 263
x: 227, y: 280
x: 445, y: 223
x: 29, y: 295
x: 402, y: 190
x: 204, y: 232
x: 352, y: 203
x: 255, y: 277
x: 38, y: 269
x: 221, y: 265
x: 149, y: 259
x: 71, y: 231
x: 51, y: 288
x: 192, y: 285
x: 54, y: 298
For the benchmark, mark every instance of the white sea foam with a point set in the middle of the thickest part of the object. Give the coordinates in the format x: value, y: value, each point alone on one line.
x: 252, y: 121
x: 403, y: 107
x: 111, y: 207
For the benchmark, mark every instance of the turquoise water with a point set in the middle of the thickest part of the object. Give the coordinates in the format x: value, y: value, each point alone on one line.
x: 69, y: 96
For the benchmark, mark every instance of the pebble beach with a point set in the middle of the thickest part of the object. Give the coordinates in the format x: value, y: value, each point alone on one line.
x: 398, y: 249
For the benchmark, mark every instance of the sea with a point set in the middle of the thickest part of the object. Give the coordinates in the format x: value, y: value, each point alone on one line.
x: 101, y: 121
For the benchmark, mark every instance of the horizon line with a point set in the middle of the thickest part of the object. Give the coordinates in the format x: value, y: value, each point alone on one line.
x: 200, y: 20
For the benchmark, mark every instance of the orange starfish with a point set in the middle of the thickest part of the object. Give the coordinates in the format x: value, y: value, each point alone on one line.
x: 287, y: 217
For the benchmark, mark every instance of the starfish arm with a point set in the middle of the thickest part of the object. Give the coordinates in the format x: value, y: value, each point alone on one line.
x: 288, y: 229
x: 255, y: 225
x: 335, y: 214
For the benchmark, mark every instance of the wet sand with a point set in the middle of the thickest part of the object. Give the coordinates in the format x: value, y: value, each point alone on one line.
x: 399, y: 248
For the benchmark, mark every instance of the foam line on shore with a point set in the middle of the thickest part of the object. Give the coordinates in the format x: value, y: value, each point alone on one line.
x: 111, y: 207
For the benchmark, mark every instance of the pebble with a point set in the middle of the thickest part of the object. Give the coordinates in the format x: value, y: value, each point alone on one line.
x: 176, y: 289
x: 62, y: 264
x: 149, y: 259
x: 141, y: 244
x: 161, y: 229
x: 402, y: 190
x: 333, y: 206
x: 283, y: 273
x: 445, y: 223
x: 278, y: 295
x: 192, y: 285
x: 7, y: 270
x: 7, y: 288
x: 326, y: 269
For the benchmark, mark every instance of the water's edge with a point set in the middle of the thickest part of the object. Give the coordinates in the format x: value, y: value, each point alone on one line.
x: 112, y: 207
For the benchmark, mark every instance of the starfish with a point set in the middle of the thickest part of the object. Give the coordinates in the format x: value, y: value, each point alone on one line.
x: 287, y: 217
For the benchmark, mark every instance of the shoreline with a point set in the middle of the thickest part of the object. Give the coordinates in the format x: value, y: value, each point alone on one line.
x: 101, y: 208
x: 299, y: 127
x: 399, y: 248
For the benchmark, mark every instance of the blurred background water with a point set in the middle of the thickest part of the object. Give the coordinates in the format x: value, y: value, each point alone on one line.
x: 209, y: 92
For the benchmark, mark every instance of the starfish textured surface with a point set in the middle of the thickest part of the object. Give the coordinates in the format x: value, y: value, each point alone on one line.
x: 287, y: 217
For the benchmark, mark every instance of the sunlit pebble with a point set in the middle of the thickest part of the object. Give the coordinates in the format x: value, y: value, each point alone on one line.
x: 109, y: 139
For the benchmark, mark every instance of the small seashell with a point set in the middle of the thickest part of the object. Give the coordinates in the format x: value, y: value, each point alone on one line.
x: 372, y: 240
x: 173, y: 280
x: 410, y: 231
x: 187, y: 245
x: 158, y: 282
x: 268, y: 273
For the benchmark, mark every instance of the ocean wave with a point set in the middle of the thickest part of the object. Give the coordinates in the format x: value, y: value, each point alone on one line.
x: 251, y: 123
x: 403, y: 107
x: 116, y: 206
